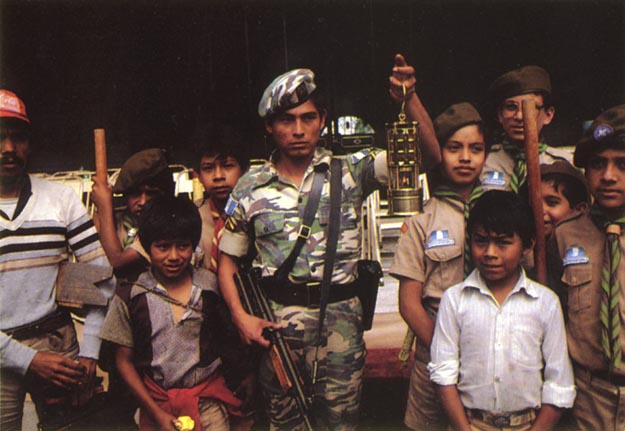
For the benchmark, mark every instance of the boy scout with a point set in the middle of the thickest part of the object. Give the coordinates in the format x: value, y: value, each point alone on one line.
x: 505, y: 165
x: 430, y: 254
x: 593, y: 277
x: 269, y: 201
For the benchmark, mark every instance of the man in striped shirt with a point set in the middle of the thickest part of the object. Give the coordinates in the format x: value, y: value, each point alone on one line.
x: 40, y: 223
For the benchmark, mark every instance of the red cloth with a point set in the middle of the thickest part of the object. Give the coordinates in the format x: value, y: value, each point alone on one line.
x: 184, y: 401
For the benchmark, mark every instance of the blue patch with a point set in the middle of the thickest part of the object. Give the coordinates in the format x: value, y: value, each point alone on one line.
x: 231, y: 205
x: 439, y: 238
x: 494, y: 178
x: 575, y: 256
x: 601, y: 132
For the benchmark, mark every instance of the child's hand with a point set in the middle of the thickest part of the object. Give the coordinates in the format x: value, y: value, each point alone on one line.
x: 164, y: 421
x: 101, y: 194
x: 246, y: 389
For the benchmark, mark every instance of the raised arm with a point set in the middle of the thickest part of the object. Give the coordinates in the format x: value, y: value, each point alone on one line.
x: 404, y: 74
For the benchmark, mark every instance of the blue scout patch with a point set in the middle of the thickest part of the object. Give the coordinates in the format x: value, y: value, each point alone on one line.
x: 439, y: 238
x: 494, y: 178
x: 574, y: 256
x: 602, y: 132
x: 230, y: 206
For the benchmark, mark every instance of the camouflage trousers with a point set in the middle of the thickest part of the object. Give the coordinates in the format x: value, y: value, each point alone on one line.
x: 341, y: 363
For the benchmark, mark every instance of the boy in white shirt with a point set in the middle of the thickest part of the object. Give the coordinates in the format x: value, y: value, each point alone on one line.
x: 499, y: 352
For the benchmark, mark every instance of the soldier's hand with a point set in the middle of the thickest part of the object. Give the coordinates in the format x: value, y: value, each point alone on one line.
x: 251, y: 329
x: 101, y: 194
x: 57, y: 369
x: 402, y: 74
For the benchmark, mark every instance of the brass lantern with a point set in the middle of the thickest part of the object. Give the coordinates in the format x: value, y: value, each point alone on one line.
x: 405, y: 196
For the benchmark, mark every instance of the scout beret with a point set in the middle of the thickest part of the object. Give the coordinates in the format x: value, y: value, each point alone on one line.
x: 527, y: 79
x: 139, y: 168
x: 607, y: 129
x: 287, y: 91
x: 561, y: 167
x: 12, y: 106
x: 453, y: 118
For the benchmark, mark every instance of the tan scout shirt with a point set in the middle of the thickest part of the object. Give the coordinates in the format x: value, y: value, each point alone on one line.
x: 581, y: 246
x: 431, y: 248
x: 499, y: 166
x: 208, y: 231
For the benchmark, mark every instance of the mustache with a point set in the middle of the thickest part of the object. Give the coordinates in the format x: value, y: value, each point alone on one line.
x: 11, y: 158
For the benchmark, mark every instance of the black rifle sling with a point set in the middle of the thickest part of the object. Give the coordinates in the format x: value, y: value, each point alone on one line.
x: 334, y: 226
x: 281, y: 275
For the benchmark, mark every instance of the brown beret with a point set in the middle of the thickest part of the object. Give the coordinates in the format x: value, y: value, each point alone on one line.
x: 139, y: 168
x: 454, y: 118
x: 562, y: 167
x: 607, y: 129
x: 527, y: 79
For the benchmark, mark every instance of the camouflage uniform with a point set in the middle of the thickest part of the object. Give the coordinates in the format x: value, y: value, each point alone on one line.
x: 274, y: 207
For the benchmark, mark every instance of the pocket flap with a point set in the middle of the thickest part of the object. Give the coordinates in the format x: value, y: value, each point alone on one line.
x: 268, y: 223
x: 445, y: 253
x: 577, y: 275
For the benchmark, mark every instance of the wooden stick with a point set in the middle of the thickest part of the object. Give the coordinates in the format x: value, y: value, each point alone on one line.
x: 101, y: 168
x: 530, y: 130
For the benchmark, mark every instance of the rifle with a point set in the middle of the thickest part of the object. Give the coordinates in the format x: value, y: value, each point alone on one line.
x: 254, y: 301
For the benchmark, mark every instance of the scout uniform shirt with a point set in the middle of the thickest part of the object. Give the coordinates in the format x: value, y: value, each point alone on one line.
x: 581, y: 247
x: 274, y: 207
x: 499, y: 165
x: 431, y: 247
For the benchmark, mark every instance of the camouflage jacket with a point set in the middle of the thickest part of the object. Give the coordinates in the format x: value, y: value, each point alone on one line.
x: 273, y: 206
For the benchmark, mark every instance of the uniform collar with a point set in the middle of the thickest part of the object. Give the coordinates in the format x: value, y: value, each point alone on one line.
x: 475, y: 281
x: 268, y: 171
x: 22, y: 200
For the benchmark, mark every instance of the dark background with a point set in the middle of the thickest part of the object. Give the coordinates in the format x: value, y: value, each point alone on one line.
x: 158, y: 73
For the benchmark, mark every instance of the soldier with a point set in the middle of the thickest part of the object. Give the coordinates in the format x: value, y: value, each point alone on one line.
x: 40, y: 222
x: 264, y: 209
x: 429, y: 257
x: 505, y: 166
x: 592, y: 271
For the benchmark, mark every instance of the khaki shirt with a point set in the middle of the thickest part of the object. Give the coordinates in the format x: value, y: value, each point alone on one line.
x: 581, y: 246
x: 431, y: 247
x: 208, y: 232
x: 499, y: 166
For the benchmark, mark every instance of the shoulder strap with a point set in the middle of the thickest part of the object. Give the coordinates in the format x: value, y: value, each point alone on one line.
x: 336, y: 189
x: 303, y: 234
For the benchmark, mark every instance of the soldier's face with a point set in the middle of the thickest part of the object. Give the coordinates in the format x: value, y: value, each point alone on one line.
x: 14, y: 152
x: 296, y: 131
x: 510, y: 115
x: 605, y: 172
x: 463, y: 155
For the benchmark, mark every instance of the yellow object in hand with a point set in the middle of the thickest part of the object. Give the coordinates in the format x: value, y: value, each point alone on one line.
x: 184, y: 423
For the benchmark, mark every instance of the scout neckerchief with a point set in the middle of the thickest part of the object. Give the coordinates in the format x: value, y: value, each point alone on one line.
x: 609, y: 312
x: 219, y: 220
x: 131, y: 230
x: 518, y: 154
x: 445, y: 192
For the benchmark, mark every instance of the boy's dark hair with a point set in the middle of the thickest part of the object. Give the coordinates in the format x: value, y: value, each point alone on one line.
x: 223, y: 141
x: 169, y: 218
x: 574, y: 191
x: 505, y: 213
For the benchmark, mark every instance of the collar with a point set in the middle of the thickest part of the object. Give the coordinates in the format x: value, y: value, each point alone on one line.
x: 200, y: 277
x: 22, y: 200
x: 523, y: 284
x: 268, y: 172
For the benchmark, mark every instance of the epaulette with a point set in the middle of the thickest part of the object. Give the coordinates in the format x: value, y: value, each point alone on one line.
x: 362, y: 154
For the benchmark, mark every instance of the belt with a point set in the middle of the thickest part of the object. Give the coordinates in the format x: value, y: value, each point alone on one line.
x: 306, y: 294
x: 503, y: 421
x: 49, y: 323
x: 589, y: 375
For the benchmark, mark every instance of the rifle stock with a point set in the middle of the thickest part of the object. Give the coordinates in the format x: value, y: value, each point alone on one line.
x: 254, y: 301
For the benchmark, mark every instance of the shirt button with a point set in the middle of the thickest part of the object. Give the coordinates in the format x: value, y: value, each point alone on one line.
x: 497, y: 379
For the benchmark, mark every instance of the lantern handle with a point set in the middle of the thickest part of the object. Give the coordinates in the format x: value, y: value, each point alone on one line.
x: 402, y: 114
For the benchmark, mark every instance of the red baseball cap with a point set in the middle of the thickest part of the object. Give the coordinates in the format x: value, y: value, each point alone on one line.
x: 12, y: 106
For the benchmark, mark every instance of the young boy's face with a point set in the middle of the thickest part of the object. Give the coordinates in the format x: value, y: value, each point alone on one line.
x: 170, y: 258
x: 219, y: 175
x: 497, y: 256
x: 605, y: 172
x: 138, y: 197
x: 463, y: 155
x: 556, y: 206
x: 510, y: 115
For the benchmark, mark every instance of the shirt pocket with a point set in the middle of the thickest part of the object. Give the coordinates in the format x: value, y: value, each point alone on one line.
x: 577, y: 278
x: 349, y: 217
x: 526, y: 345
x: 269, y: 223
x: 447, y: 266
